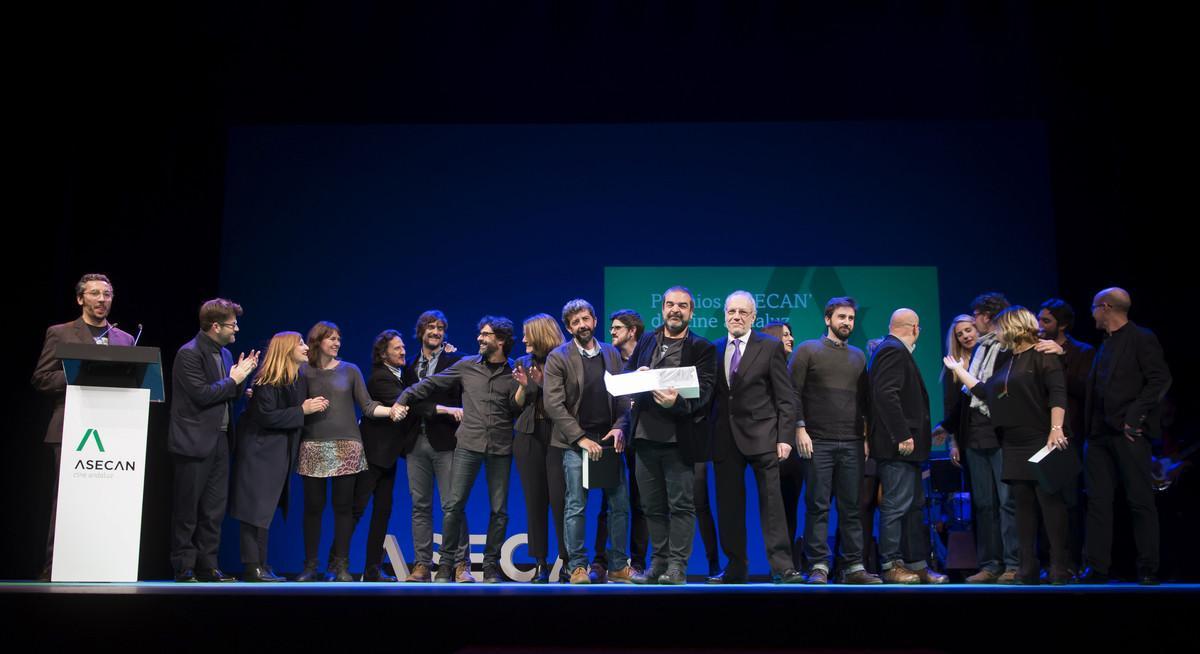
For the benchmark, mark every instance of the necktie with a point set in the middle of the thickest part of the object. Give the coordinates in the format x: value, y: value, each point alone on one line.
x: 737, y: 358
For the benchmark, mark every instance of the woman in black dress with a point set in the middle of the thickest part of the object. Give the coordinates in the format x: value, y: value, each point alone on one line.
x: 269, y: 436
x: 1027, y: 395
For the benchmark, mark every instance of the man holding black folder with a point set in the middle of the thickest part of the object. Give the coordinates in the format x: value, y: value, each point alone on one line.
x: 585, y: 420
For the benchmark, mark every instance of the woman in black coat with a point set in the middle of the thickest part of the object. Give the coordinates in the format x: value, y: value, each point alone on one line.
x: 268, y: 439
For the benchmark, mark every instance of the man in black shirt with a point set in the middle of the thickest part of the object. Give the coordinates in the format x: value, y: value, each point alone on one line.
x: 1124, y: 400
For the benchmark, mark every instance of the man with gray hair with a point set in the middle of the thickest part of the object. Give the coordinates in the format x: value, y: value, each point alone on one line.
x: 1123, y: 408
x: 752, y: 416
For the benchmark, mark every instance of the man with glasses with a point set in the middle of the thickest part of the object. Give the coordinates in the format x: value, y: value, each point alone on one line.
x: 204, y: 384
x: 1123, y: 409
x: 484, y: 437
x: 94, y: 295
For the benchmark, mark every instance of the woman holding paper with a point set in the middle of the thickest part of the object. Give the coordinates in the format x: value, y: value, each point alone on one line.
x: 1028, y: 399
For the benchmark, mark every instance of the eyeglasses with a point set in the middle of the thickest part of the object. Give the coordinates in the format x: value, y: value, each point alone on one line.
x: 487, y: 333
x: 104, y: 294
x: 231, y: 325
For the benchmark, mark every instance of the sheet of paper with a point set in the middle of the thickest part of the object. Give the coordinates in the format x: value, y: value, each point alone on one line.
x: 683, y: 380
x: 1041, y: 454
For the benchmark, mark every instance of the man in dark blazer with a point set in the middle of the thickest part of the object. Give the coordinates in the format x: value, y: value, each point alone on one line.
x: 672, y: 435
x: 204, y: 384
x: 1122, y: 415
x: 430, y: 454
x: 94, y: 294
x: 900, y: 438
x: 752, y: 416
x: 384, y: 442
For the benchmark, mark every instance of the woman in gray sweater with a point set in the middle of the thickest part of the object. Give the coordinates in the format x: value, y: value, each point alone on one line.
x: 331, y: 448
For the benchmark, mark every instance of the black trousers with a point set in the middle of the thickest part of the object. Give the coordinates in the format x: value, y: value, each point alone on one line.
x: 705, y: 523
x: 1110, y: 459
x: 201, y: 493
x: 731, y: 511
x: 540, y: 467
x: 343, y: 514
x: 375, y: 482
x: 1029, y: 497
x: 57, y: 447
x: 639, y: 535
x: 791, y: 483
x: 253, y: 542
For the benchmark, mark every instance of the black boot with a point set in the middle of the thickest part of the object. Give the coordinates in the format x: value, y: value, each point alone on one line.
x: 375, y: 572
x: 541, y: 573
x: 339, y: 569
x: 310, y: 571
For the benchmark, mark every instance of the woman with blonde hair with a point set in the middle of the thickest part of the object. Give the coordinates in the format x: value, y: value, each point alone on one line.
x: 539, y: 464
x: 265, y: 457
x: 961, y: 338
x: 331, y: 448
x: 1027, y: 395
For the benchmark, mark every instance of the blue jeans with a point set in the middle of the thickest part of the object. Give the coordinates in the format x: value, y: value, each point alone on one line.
x: 995, y: 511
x: 836, y: 468
x: 462, y: 478
x: 425, y: 466
x: 575, y: 515
x: 903, y: 537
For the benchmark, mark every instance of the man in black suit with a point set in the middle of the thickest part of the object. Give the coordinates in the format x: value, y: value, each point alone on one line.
x: 431, y: 455
x: 753, y: 413
x: 201, y: 416
x: 384, y: 441
x: 1125, y: 389
x: 94, y: 295
x: 672, y: 435
x: 900, y: 438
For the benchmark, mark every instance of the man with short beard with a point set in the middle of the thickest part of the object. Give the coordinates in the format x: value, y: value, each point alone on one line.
x: 830, y: 377
x: 94, y: 295
x: 584, y: 418
x: 484, y: 437
x: 671, y: 433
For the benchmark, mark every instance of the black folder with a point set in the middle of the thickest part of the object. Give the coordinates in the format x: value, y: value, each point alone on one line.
x: 1058, y: 469
x: 605, y: 473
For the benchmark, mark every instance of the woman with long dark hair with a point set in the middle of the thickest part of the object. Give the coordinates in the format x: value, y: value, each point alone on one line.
x: 268, y: 439
x: 331, y: 448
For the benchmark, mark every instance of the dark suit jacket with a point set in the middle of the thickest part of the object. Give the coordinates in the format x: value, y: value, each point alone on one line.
x: 1077, y: 364
x: 690, y: 415
x: 899, y: 403
x: 1139, y: 380
x: 385, y: 441
x: 200, y: 394
x: 265, y: 457
x: 563, y: 389
x: 438, y: 428
x: 48, y: 376
x: 759, y: 410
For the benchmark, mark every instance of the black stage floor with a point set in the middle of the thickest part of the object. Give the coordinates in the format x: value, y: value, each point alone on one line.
x: 554, y: 618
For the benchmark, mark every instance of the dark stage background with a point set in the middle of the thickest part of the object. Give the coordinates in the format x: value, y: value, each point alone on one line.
x: 134, y: 113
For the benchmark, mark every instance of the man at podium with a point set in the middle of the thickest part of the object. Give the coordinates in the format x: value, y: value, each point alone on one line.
x: 94, y: 294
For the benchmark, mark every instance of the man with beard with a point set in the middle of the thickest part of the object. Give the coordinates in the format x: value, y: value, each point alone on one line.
x: 484, y: 437
x: 671, y: 433
x: 753, y: 413
x: 1056, y: 318
x: 585, y: 416
x: 430, y: 460
x: 900, y: 438
x: 830, y: 377
x: 626, y: 330
x: 202, y: 396
x: 94, y: 295
x: 1122, y: 415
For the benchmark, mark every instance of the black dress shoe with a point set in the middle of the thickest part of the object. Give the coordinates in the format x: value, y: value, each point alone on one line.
x: 260, y: 574
x: 376, y: 573
x: 564, y: 574
x: 310, y: 572
x: 789, y: 576
x: 492, y: 575
x: 1093, y: 576
x: 213, y: 574
x: 650, y: 578
x: 673, y: 577
x: 186, y: 576
x: 541, y: 573
x: 726, y: 577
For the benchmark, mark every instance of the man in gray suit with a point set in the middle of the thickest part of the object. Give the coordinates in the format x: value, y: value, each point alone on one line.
x: 585, y: 416
x: 94, y: 294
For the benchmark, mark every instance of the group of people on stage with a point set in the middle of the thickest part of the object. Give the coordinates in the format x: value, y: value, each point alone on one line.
x: 814, y: 412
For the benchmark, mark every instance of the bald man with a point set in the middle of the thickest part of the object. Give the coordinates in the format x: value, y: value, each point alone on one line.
x: 1125, y: 389
x: 900, y: 437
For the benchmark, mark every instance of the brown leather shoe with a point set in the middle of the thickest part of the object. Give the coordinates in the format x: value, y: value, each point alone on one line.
x: 984, y: 576
x: 462, y: 573
x: 420, y: 574
x: 1009, y: 578
x: 929, y: 576
x: 626, y: 575
x: 861, y: 578
x: 899, y: 574
x: 580, y: 576
x: 818, y: 577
